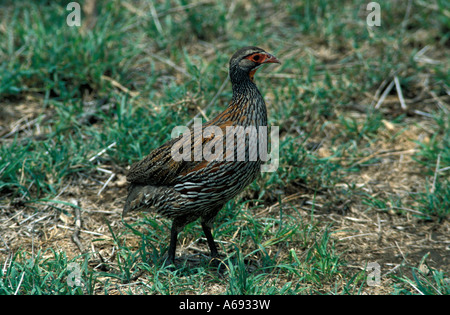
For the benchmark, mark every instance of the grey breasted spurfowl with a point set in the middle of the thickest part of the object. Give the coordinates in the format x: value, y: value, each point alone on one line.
x: 191, y: 188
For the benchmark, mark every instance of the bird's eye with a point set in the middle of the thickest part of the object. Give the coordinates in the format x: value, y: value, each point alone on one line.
x: 255, y: 57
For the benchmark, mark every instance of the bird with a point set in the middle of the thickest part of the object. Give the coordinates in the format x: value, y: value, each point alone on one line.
x: 192, y: 188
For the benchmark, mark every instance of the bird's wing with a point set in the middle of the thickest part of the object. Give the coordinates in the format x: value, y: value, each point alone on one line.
x: 158, y: 168
x: 161, y: 168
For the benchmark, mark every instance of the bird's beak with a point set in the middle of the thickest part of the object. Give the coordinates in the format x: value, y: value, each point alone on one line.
x: 271, y: 59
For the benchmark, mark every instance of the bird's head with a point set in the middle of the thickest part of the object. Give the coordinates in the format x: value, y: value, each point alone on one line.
x: 245, y: 62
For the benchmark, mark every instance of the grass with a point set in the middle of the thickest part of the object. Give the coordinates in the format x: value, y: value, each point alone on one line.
x: 362, y: 176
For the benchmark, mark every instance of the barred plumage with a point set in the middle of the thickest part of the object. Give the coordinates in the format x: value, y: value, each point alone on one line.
x: 185, y: 190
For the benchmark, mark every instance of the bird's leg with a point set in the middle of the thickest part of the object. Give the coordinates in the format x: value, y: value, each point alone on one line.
x: 210, y: 239
x: 173, y: 243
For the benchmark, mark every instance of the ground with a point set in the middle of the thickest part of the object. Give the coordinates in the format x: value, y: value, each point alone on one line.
x: 364, y: 148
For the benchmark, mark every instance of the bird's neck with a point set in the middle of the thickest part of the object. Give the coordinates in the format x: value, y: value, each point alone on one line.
x: 248, y: 100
